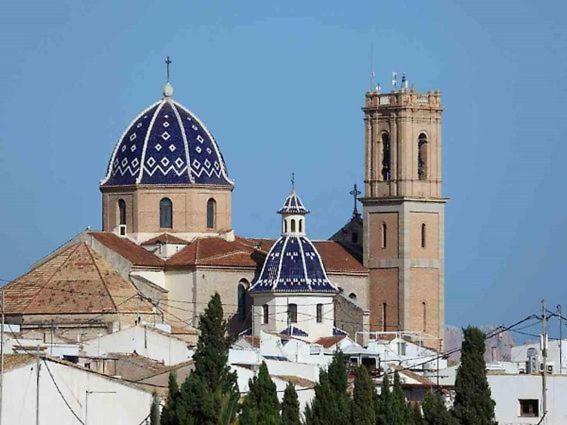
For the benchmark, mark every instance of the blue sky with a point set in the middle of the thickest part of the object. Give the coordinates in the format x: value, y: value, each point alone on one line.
x: 280, y: 85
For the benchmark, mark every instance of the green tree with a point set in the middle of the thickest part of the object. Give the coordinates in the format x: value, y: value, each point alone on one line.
x: 362, y: 408
x: 435, y: 411
x: 331, y: 404
x: 169, y: 414
x: 417, y: 417
x: 290, y: 406
x: 195, y: 405
x: 400, y: 409
x: 473, y: 403
x: 215, y: 379
x: 261, y: 405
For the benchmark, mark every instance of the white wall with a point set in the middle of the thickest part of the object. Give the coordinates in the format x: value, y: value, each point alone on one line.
x: 306, y: 313
x: 508, y: 389
x: 144, y: 340
x: 126, y: 405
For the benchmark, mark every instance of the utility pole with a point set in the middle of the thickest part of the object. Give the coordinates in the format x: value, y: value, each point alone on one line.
x: 544, y: 356
x: 37, y: 366
x: 560, y: 338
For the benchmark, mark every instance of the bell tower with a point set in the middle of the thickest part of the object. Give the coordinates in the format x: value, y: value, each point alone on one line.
x: 404, y: 212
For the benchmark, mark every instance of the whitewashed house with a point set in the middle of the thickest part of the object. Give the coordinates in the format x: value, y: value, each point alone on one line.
x: 60, y: 393
x: 143, y: 340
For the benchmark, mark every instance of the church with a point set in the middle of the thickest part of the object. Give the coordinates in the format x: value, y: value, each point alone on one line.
x: 167, y: 242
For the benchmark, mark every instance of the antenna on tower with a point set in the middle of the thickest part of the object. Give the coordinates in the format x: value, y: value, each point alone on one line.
x: 395, y: 80
x: 372, y: 73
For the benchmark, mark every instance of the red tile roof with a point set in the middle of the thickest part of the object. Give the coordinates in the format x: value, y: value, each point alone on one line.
x: 75, y: 281
x: 329, y: 341
x: 165, y: 238
x: 124, y: 247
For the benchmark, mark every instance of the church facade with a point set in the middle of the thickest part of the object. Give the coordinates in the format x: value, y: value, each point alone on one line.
x: 167, y: 241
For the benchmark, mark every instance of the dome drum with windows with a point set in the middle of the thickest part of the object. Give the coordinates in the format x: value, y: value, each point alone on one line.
x: 167, y: 174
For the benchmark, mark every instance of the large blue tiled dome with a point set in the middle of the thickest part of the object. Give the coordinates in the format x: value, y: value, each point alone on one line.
x: 166, y: 144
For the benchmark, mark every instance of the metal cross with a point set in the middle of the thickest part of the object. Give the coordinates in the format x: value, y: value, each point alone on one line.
x: 355, y: 192
x: 292, y: 181
x: 167, y: 63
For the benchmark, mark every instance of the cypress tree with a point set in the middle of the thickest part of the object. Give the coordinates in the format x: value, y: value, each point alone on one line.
x: 331, y: 404
x: 261, y: 405
x: 400, y: 410
x: 434, y: 410
x: 417, y: 417
x: 168, y: 414
x: 383, y: 403
x: 362, y: 408
x: 154, y: 410
x: 195, y: 405
x: 215, y: 380
x: 290, y: 406
x: 473, y: 403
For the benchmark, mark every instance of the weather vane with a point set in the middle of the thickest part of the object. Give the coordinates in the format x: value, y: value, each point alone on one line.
x: 167, y: 63
x: 355, y: 192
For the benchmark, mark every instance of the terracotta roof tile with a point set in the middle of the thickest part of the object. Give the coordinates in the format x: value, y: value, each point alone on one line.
x: 77, y: 280
x: 217, y: 252
x: 129, y: 250
x: 329, y: 341
x: 165, y: 238
x: 335, y: 257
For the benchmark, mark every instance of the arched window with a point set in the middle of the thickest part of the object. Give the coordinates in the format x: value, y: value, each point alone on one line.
x: 423, y: 235
x: 385, y: 156
x: 384, y: 317
x: 211, y: 213
x: 384, y: 235
x: 319, y: 313
x: 121, y: 211
x: 292, y: 313
x: 424, y: 312
x: 265, y: 314
x: 422, y: 157
x: 293, y: 225
x: 285, y: 226
x: 166, y: 213
x: 300, y: 221
x: 242, y: 299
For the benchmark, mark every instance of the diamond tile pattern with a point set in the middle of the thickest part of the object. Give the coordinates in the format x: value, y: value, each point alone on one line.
x: 153, y: 150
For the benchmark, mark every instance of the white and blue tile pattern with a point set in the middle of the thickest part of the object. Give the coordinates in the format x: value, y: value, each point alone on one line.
x: 167, y: 144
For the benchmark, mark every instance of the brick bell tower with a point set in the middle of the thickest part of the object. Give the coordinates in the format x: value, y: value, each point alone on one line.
x: 404, y: 212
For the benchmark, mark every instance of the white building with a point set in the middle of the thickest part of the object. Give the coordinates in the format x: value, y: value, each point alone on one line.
x: 60, y: 393
x: 142, y: 340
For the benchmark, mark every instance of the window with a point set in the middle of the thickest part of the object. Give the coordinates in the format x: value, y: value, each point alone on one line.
x: 384, y: 235
x: 354, y: 237
x: 385, y: 156
x: 121, y: 211
x: 285, y: 226
x: 424, y: 312
x: 242, y: 300
x: 401, y: 348
x: 423, y: 234
x: 529, y: 408
x: 422, y: 157
x: 292, y: 225
x: 166, y: 213
x: 319, y: 313
x: 211, y: 213
x: 292, y: 313
x: 352, y: 296
x: 300, y: 225
x: 384, y: 306
x: 265, y: 314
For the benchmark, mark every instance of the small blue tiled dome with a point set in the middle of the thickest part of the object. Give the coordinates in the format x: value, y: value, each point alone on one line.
x: 166, y: 144
x: 293, y: 265
x: 293, y: 205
